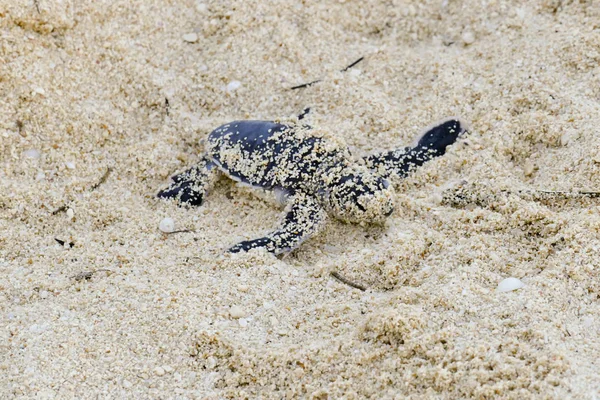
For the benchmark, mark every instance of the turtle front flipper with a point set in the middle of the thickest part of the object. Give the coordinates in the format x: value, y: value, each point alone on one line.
x: 304, y: 218
x: 431, y: 144
x: 190, y: 187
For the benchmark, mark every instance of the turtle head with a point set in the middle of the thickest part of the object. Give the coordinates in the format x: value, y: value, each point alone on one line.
x: 354, y: 194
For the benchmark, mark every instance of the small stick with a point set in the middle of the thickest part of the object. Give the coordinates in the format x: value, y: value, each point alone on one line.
x: 62, y: 242
x: 305, y: 85
x: 561, y: 193
x: 465, y: 195
x: 102, y: 179
x: 353, y: 64
x: 167, y: 105
x: 20, y: 126
x: 304, y: 113
x: 95, y: 186
x: 319, y: 80
x: 347, y: 281
x: 541, y: 195
x: 179, y: 231
x: 60, y: 209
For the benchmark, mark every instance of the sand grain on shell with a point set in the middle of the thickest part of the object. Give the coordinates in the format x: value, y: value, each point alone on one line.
x: 125, y: 87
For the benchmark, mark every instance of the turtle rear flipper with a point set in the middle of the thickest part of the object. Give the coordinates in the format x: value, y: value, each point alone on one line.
x: 304, y: 218
x: 190, y: 187
x: 431, y: 144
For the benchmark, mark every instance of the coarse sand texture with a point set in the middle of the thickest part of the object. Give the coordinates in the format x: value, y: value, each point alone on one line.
x: 483, y: 283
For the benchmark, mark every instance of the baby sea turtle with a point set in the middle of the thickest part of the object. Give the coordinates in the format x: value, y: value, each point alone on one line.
x: 315, y: 176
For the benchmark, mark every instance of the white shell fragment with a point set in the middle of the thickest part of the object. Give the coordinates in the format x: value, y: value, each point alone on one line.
x: 468, y: 37
x: 237, y: 312
x: 32, y: 153
x: 509, y: 284
x: 233, y: 85
x: 167, y: 225
x: 190, y: 37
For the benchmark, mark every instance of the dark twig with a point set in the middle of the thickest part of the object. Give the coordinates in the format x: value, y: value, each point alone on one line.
x: 541, y: 195
x: 353, y: 64
x: 179, y: 231
x: 305, y: 85
x: 20, y: 126
x: 347, y: 281
x: 167, y: 105
x: 102, y: 179
x: 560, y: 194
x: 482, y: 197
x: 319, y: 80
x: 95, y: 186
x: 62, y: 242
x: 37, y: 5
x: 60, y: 209
x: 304, y: 113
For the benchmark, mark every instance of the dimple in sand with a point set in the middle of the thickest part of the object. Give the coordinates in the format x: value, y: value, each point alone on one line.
x: 317, y: 178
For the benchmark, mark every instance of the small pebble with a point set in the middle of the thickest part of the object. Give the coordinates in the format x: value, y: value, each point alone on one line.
x: 167, y: 225
x: 468, y: 37
x: 243, y: 322
x: 70, y: 165
x: 127, y: 384
x: 70, y: 213
x: 190, y: 37
x: 243, y: 288
x: 211, y: 362
x: 35, y: 328
x: 509, y: 284
x: 44, y: 294
x: 528, y: 168
x: 233, y: 85
x: 160, y: 371
x: 32, y: 153
x: 236, y: 312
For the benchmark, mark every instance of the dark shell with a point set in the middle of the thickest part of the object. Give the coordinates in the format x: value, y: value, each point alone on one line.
x: 270, y: 155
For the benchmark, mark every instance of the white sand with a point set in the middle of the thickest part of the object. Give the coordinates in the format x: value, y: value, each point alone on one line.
x: 169, y: 316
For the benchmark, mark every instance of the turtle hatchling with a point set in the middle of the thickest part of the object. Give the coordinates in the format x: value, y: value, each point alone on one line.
x: 315, y: 176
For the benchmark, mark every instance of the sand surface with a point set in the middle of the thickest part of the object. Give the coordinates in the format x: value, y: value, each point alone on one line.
x: 122, y: 310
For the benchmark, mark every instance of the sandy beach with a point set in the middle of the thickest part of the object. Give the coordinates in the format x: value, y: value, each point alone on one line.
x: 101, y: 102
